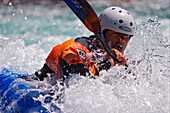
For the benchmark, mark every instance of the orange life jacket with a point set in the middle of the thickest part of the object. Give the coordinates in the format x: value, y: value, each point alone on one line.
x: 72, y: 53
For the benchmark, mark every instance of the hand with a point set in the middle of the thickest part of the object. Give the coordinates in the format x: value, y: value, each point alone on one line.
x: 119, y: 56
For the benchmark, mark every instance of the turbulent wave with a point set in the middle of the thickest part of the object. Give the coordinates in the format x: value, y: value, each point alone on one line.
x: 142, y: 87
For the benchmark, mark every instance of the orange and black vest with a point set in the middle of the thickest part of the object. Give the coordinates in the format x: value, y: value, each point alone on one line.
x: 70, y: 57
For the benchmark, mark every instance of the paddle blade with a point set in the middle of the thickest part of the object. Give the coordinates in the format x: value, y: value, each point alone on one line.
x: 85, y: 13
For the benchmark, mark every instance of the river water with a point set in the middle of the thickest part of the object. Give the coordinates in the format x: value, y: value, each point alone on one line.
x: 29, y: 31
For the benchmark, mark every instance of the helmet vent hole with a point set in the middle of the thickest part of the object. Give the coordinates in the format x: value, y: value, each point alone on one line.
x: 120, y: 21
x: 120, y: 11
x: 131, y: 24
x: 113, y: 8
x: 128, y: 13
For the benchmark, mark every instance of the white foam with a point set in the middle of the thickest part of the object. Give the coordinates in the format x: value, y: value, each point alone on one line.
x: 144, y: 87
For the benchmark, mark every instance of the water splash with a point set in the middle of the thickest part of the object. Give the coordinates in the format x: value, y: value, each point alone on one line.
x: 143, y: 87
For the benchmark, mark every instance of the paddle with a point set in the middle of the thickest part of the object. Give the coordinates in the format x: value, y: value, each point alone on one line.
x: 88, y: 17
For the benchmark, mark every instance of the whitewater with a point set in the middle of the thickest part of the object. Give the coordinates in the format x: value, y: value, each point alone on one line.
x: 28, y: 32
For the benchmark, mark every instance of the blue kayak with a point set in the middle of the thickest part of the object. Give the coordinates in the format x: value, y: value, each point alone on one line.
x: 18, y: 97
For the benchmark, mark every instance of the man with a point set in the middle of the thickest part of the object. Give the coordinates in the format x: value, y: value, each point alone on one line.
x: 86, y: 55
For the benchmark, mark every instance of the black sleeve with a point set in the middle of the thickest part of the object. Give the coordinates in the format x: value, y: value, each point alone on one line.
x: 85, y: 41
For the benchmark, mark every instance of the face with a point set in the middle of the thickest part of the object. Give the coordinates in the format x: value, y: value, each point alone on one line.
x: 117, y: 40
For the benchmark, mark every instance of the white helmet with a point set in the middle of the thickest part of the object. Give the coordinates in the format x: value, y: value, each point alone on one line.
x: 117, y: 19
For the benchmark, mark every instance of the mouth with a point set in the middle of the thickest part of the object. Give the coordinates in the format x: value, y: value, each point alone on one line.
x: 119, y: 47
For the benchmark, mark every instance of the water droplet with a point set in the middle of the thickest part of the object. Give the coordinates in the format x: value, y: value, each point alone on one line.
x: 13, y: 14
x: 21, y: 11
x: 10, y: 3
x: 157, y: 6
x: 25, y: 18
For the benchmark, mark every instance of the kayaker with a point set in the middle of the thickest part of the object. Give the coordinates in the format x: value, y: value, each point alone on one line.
x: 86, y: 55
